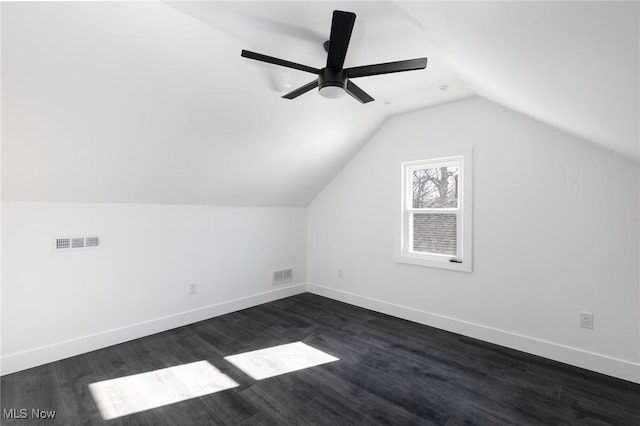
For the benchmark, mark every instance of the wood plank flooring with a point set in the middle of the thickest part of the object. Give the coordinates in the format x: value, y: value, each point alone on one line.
x: 389, y: 372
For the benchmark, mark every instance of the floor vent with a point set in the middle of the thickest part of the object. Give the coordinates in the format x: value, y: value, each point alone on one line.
x: 283, y: 276
x: 74, y: 243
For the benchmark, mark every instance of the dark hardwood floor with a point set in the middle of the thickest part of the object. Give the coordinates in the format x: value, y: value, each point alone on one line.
x: 390, y: 371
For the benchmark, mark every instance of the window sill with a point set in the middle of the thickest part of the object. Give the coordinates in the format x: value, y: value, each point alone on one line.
x: 441, y: 264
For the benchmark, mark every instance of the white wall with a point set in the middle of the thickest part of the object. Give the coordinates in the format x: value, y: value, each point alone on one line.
x: 559, y: 236
x: 55, y: 304
x: 555, y: 233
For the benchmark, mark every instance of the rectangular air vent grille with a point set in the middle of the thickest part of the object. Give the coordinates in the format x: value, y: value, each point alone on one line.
x: 282, y: 276
x: 287, y: 274
x: 92, y: 241
x: 75, y: 243
x: 63, y: 243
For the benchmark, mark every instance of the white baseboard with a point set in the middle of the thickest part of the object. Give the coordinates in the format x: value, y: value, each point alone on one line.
x: 615, y: 367
x: 589, y: 360
x: 42, y: 355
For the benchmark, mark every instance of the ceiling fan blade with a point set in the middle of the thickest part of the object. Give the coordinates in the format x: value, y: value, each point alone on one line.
x: 386, y: 68
x: 358, y: 93
x: 301, y: 90
x: 277, y: 61
x: 341, y: 28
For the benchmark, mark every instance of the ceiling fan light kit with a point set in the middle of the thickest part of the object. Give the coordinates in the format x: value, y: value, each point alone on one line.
x: 331, y: 92
x: 333, y: 81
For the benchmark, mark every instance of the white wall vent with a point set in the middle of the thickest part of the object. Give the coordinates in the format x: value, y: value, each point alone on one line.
x: 283, y: 276
x: 75, y: 243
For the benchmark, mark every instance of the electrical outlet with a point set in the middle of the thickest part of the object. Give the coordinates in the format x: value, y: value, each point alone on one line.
x: 193, y: 288
x: 586, y: 320
x: 340, y: 273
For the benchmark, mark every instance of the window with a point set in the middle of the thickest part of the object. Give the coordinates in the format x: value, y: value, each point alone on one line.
x: 436, y: 213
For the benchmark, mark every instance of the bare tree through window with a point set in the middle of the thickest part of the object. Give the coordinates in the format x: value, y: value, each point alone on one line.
x: 435, y: 187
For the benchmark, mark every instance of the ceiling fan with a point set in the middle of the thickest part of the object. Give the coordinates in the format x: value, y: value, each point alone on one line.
x: 334, y: 80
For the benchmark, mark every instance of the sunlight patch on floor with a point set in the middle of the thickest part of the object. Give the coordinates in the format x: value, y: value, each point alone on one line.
x: 278, y: 360
x: 139, y: 392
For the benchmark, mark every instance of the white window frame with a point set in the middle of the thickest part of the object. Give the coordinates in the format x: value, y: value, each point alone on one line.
x: 404, y: 244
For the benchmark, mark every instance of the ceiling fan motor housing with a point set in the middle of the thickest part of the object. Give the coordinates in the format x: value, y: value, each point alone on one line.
x: 332, y: 77
x: 332, y: 82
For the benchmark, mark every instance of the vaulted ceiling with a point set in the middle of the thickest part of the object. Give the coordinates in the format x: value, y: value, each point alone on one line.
x: 145, y: 102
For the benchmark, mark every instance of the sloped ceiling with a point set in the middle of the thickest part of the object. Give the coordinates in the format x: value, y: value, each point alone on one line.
x: 574, y: 65
x: 152, y: 103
